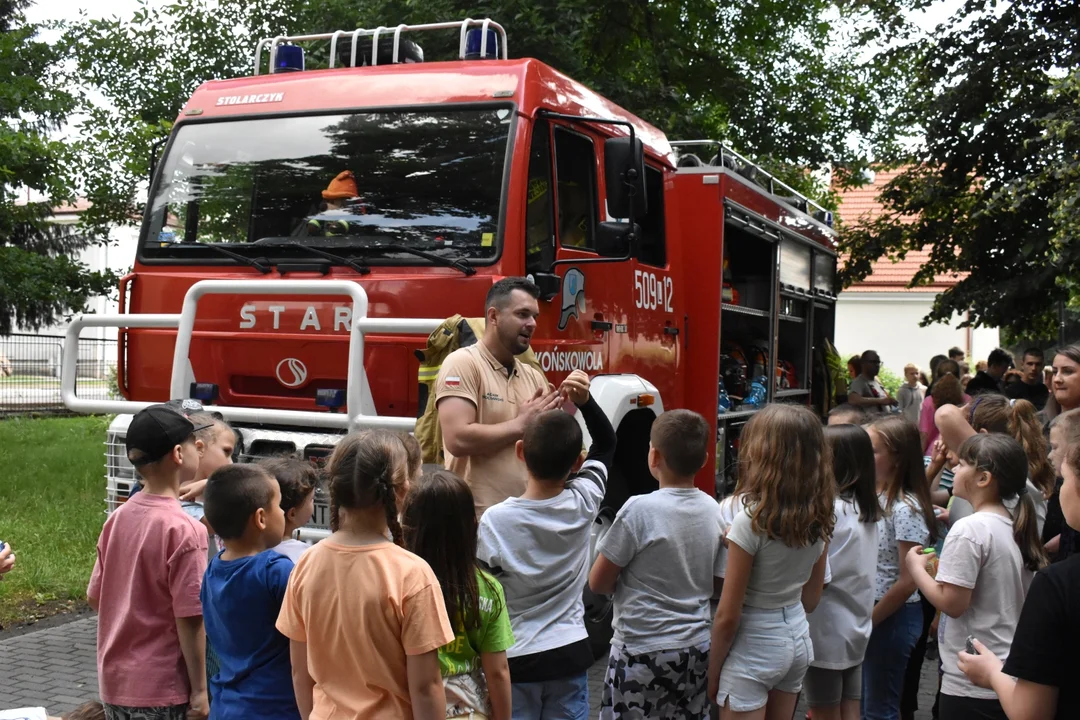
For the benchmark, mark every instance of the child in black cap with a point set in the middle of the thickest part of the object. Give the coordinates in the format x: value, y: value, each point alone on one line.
x: 146, y: 581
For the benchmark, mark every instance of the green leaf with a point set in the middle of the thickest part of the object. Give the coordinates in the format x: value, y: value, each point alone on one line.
x: 991, y: 189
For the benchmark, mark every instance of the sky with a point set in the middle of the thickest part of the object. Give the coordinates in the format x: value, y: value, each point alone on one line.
x: 50, y: 10
x: 44, y: 10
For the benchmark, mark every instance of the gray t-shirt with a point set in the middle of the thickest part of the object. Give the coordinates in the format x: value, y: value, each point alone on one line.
x: 668, y: 544
x: 868, y: 389
x: 539, y: 551
x: 779, y: 571
x: 909, y: 401
x: 981, y: 554
x: 959, y: 508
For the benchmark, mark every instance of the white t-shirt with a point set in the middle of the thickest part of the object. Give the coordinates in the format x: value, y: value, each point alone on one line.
x: 668, y: 544
x: 980, y: 553
x: 292, y: 549
x: 904, y: 522
x: 840, y: 625
x: 726, y: 512
x: 539, y: 551
x: 961, y: 508
x: 779, y: 571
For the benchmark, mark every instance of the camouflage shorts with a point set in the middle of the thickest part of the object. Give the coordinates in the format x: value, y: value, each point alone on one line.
x: 662, y: 685
x: 120, y: 712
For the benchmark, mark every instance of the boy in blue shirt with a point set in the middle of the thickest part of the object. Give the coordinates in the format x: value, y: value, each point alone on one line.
x: 242, y: 594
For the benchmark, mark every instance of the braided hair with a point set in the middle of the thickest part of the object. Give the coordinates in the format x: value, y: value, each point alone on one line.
x: 366, y: 469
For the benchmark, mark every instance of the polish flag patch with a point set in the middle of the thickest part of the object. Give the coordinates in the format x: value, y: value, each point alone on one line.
x: 452, y: 382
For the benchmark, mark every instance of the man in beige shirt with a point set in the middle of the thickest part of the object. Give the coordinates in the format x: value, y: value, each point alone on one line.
x: 485, y: 396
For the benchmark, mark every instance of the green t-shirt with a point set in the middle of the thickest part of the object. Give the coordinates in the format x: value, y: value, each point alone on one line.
x: 462, y: 655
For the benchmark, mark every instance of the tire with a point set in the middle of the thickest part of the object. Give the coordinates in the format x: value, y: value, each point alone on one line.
x: 599, y: 609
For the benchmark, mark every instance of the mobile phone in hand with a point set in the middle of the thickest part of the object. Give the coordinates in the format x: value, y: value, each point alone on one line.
x: 969, y: 646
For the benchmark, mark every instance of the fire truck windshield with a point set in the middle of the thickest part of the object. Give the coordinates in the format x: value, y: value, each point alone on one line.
x: 420, y: 180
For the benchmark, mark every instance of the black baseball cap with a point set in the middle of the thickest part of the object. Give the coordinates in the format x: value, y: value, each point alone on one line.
x: 156, y: 430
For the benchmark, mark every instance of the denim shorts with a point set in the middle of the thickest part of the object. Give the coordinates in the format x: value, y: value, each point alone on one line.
x: 771, y: 651
x: 563, y: 699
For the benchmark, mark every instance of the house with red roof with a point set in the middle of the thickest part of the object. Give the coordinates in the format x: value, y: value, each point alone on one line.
x: 883, y: 313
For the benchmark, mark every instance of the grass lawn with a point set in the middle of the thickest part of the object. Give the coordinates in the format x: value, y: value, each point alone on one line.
x: 47, y: 381
x: 51, y: 510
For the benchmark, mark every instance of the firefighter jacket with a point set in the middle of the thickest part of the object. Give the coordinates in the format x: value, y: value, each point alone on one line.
x: 454, y: 332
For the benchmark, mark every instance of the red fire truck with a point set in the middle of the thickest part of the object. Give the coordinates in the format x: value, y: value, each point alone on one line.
x: 668, y: 269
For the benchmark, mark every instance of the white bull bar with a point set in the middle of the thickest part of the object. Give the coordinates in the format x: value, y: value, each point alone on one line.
x: 364, y: 417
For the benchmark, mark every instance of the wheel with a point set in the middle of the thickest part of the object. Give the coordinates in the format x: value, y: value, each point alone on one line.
x: 599, y: 609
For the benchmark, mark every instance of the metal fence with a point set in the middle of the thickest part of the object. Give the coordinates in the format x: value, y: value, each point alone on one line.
x: 30, y: 372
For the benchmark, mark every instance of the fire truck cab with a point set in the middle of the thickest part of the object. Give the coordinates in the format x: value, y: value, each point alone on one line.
x: 306, y: 230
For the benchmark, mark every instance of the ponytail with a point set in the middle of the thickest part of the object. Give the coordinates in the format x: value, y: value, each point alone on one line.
x: 385, y: 489
x: 1026, y: 533
x: 1004, y: 458
x: 1017, y: 419
x: 1025, y: 427
x: 365, y: 470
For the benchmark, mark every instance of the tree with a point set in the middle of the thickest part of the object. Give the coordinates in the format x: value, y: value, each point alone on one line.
x: 38, y: 280
x: 1060, y: 179
x: 794, y: 84
x: 991, y: 191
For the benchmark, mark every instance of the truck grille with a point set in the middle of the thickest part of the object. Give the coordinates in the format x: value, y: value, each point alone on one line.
x: 261, y: 442
x: 120, y: 475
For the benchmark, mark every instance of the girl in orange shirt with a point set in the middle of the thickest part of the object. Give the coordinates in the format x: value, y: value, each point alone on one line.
x: 364, y: 616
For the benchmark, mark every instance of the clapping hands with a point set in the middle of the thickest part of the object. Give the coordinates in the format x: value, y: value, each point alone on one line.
x: 575, y: 388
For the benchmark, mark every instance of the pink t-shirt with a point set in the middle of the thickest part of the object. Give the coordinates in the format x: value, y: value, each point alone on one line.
x: 151, y: 557
x: 926, y: 420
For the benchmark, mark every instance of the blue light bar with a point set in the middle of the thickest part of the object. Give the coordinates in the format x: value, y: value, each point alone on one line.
x: 289, y: 58
x: 472, y: 45
x: 332, y: 398
x: 204, y: 392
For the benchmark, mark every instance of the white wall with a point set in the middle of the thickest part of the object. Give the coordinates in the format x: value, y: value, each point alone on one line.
x: 889, y: 323
x: 118, y: 256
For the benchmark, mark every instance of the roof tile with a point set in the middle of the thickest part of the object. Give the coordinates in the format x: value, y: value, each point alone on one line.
x: 858, y: 205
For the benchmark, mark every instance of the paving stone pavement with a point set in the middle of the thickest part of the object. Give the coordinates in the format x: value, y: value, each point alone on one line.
x: 56, y: 668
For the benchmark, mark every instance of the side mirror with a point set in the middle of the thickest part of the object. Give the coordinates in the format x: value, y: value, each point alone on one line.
x: 613, y: 239
x: 624, y: 176
x: 549, y: 284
